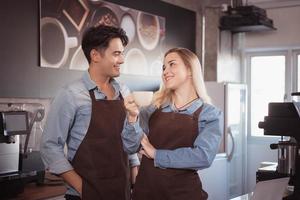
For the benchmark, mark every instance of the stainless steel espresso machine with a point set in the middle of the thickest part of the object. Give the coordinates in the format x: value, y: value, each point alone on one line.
x: 284, y: 120
x: 18, y: 163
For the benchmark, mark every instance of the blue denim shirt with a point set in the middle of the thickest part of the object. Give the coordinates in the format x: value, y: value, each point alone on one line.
x: 68, y: 121
x: 206, y: 145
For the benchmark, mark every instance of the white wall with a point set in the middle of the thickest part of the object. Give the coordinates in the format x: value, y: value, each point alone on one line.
x: 286, y: 20
x: 215, y: 179
x: 228, y: 63
x: 258, y: 151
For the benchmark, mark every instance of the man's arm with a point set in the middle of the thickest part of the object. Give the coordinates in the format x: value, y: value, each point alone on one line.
x: 73, y: 179
x: 59, y: 120
x: 134, y: 167
x: 133, y: 173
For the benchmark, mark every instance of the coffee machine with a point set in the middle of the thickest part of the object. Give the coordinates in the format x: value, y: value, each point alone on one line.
x: 284, y: 120
x: 18, y: 163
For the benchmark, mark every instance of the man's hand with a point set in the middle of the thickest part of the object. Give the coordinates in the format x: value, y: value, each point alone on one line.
x: 132, y: 109
x: 73, y: 179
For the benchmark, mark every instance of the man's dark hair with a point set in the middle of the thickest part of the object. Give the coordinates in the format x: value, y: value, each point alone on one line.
x: 99, y: 37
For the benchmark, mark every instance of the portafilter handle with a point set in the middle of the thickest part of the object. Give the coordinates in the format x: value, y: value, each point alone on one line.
x: 274, y: 146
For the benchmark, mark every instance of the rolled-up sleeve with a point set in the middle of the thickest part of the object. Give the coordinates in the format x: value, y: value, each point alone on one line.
x: 133, y: 160
x: 131, y: 135
x: 133, y: 132
x: 205, y: 148
x: 59, y: 121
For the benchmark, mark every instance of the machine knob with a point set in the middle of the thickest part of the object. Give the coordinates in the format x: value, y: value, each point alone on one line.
x: 295, y: 94
x: 11, y: 139
x: 261, y: 124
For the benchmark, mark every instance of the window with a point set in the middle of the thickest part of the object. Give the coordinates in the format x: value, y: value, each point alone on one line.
x: 298, y: 69
x: 267, y: 84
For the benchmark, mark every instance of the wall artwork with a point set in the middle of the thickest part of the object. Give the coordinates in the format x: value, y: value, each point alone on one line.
x: 63, y: 22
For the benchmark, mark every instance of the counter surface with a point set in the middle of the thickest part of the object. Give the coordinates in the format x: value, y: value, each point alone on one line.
x: 54, y: 187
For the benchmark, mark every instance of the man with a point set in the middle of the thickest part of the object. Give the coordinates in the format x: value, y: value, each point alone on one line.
x: 88, y: 115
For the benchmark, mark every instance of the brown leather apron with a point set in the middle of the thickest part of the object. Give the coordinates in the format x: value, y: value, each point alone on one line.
x: 169, y: 131
x: 100, y: 159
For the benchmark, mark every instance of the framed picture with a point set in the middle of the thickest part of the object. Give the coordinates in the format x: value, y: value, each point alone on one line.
x: 62, y: 24
x: 33, y: 78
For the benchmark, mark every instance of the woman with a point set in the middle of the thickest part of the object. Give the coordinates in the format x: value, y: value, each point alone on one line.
x: 179, y: 132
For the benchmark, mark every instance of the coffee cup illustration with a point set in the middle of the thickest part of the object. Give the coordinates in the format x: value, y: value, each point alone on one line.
x: 135, y: 63
x: 148, y: 30
x: 127, y: 23
x: 104, y: 16
x: 55, y: 43
x: 124, y: 8
x: 156, y: 68
x: 78, y: 61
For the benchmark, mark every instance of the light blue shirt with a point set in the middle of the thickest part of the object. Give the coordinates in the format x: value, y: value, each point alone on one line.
x: 68, y: 121
x: 206, y: 145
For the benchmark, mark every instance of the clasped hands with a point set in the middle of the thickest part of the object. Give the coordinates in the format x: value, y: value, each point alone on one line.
x: 147, y: 148
x: 132, y: 113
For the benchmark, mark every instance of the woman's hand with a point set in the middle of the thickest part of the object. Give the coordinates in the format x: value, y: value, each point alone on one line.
x: 132, y: 109
x: 147, y: 149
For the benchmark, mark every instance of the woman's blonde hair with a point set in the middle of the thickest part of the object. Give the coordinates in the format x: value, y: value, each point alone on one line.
x: 190, y: 60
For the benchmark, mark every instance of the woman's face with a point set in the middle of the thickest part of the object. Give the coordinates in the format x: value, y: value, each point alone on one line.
x: 175, y: 72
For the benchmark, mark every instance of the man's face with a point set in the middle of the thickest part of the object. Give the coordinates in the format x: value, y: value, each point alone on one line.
x: 110, y: 60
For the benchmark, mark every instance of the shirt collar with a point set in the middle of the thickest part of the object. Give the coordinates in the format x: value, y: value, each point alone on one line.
x: 90, y: 84
x: 190, y: 109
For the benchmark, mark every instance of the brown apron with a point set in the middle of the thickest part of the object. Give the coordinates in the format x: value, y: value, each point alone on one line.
x: 169, y: 131
x: 100, y: 159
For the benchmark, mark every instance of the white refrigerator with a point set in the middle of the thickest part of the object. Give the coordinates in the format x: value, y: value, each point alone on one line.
x: 226, y: 178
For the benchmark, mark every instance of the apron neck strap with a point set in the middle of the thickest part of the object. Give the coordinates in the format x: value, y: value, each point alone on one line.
x: 197, y: 112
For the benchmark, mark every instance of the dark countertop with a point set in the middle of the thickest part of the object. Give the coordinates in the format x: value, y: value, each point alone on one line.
x: 53, y: 187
